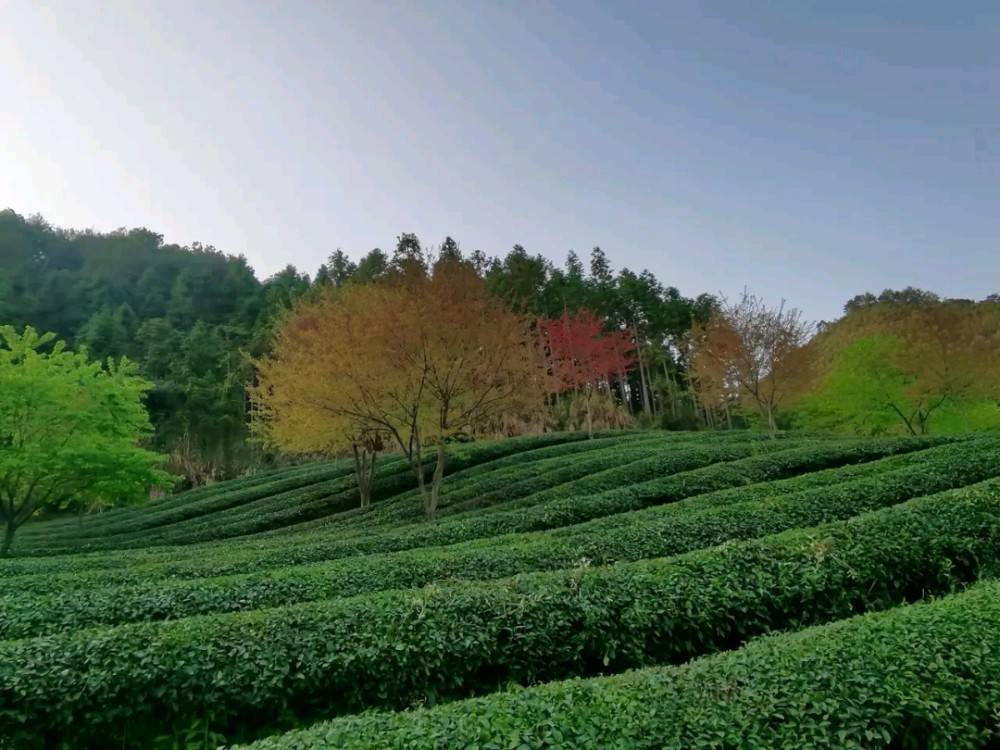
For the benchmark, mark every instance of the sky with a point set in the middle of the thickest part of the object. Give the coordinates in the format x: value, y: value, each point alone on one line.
x: 810, y: 151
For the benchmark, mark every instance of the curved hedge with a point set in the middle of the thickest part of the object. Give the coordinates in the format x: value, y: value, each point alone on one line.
x: 305, y: 548
x: 222, y: 515
x: 212, y: 499
x: 459, y: 471
x: 198, y: 494
x: 962, y: 466
x: 250, y: 511
x: 786, y: 462
x: 923, y: 675
x: 515, y: 481
x: 392, y: 648
x: 134, y: 596
x: 650, y: 454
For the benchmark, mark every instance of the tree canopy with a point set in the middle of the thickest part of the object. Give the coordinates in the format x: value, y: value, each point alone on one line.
x: 69, y: 430
x: 419, y: 357
x: 905, y: 362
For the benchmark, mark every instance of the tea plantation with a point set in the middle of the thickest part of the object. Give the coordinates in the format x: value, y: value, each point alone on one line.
x: 637, y: 590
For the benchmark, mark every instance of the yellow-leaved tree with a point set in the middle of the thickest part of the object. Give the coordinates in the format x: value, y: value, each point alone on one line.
x: 751, y: 351
x: 413, y: 360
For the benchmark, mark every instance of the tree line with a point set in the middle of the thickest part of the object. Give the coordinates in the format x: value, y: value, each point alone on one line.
x: 193, y: 317
x: 541, y: 346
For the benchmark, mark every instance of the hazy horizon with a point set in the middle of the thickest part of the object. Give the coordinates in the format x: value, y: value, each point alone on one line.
x: 809, y: 151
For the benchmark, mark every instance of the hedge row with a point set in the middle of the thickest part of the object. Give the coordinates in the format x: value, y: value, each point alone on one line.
x: 393, y: 648
x: 306, y: 549
x: 263, y: 513
x: 198, y: 494
x: 288, y: 507
x: 656, y: 466
x: 974, y: 456
x: 511, y: 482
x: 280, y: 513
x: 267, y: 513
x: 682, y: 459
x: 460, y: 469
x: 218, y: 499
x: 812, y: 456
x: 165, y: 512
x: 223, y: 559
x: 919, y: 676
x: 519, y: 480
x: 229, y: 561
x: 72, y: 602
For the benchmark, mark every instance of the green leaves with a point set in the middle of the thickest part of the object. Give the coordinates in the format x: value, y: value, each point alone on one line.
x: 395, y: 648
x: 916, y: 676
x: 69, y: 430
x: 57, y: 602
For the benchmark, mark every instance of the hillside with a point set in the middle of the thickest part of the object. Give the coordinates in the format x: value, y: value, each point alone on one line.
x: 270, y: 608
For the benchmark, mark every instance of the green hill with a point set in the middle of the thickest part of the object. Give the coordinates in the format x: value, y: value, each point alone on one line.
x: 271, y: 604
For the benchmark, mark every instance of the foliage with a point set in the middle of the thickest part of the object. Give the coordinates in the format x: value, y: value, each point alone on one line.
x: 392, y: 648
x: 917, y: 676
x: 68, y: 431
x: 219, y: 514
x: 607, y: 492
x: 581, y: 355
x: 911, y: 364
x: 185, y: 315
x: 417, y: 358
x: 749, y: 350
x: 697, y: 523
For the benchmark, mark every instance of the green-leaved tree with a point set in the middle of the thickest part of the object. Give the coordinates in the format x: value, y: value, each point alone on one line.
x: 69, y: 431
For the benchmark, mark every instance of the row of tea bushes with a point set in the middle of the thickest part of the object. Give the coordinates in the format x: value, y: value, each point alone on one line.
x: 923, y: 675
x: 55, y: 603
x: 393, y: 648
x: 282, y: 551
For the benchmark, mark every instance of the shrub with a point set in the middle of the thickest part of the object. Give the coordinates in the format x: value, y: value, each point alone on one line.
x: 917, y: 676
x: 392, y: 648
x: 305, y: 548
x: 656, y: 532
x: 220, y: 516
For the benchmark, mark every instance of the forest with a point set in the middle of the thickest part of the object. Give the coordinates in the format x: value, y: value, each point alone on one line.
x: 195, y: 319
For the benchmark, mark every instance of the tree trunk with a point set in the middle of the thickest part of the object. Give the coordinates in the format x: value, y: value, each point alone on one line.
x: 922, y: 419
x: 772, y: 426
x: 417, y: 464
x: 642, y: 372
x: 371, y: 475
x: 8, y: 539
x: 672, y: 388
x: 907, y: 422
x: 623, y: 389
x: 364, y: 472
x: 360, y: 475
x: 430, y: 508
x: 590, y: 419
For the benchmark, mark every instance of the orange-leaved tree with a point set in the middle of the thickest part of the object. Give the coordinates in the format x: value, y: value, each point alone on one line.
x: 315, y: 392
x: 416, y: 358
x: 754, y: 349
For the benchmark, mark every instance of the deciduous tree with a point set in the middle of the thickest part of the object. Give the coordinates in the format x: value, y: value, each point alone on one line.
x: 582, y: 355
x: 69, y: 431
x: 757, y: 348
x: 417, y: 357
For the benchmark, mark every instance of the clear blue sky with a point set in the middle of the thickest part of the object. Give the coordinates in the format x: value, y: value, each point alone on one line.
x: 810, y: 150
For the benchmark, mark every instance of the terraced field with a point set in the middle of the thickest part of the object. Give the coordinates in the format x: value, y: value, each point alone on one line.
x: 638, y: 590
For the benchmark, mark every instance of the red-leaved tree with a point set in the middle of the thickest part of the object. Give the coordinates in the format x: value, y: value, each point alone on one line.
x: 582, y: 355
